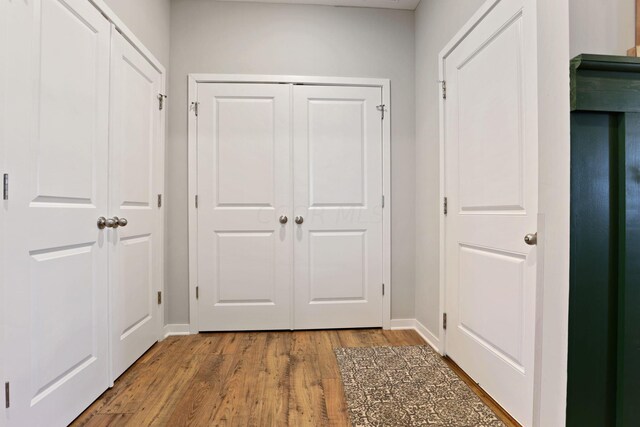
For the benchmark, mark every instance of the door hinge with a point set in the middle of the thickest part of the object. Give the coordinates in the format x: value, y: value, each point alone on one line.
x: 159, y: 200
x: 383, y: 289
x: 444, y: 89
x: 444, y: 321
x: 7, y: 396
x: 197, y: 292
x: 194, y: 106
x: 196, y: 201
x: 383, y: 200
x: 382, y: 108
x: 161, y: 98
x: 446, y: 206
x: 159, y: 297
x: 5, y: 187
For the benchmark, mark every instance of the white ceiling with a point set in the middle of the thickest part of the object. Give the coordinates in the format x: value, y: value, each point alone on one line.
x: 385, y: 4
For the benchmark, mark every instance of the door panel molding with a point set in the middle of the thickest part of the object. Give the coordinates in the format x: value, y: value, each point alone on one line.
x: 194, y: 80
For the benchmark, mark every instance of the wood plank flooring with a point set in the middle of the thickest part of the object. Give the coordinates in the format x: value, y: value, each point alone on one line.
x: 243, y: 379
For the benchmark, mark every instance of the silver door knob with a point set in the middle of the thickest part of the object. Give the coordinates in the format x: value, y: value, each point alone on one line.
x: 102, y: 222
x: 299, y: 220
x: 122, y: 222
x: 531, y: 239
x: 110, y: 223
x: 283, y: 219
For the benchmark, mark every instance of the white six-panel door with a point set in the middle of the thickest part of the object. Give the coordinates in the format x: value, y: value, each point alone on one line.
x: 57, y: 257
x: 244, y: 187
x: 289, y: 224
x: 337, y: 134
x: 135, y: 180
x: 491, y: 184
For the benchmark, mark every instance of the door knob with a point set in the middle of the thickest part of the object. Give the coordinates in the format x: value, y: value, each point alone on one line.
x: 299, y: 220
x: 122, y: 222
x: 284, y: 219
x: 531, y: 239
x: 110, y: 223
x: 102, y: 222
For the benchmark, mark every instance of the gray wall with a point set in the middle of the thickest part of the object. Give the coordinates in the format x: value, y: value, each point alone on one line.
x: 601, y: 26
x: 252, y: 38
x: 436, y: 22
x: 149, y: 20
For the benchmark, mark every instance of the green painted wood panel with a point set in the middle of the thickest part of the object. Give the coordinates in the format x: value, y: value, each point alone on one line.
x: 603, y: 386
x: 628, y: 376
x: 591, y: 393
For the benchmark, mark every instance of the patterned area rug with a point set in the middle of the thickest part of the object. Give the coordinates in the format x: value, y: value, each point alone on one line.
x: 408, y: 386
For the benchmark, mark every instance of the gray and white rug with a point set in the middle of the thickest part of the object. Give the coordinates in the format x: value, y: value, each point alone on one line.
x: 408, y: 386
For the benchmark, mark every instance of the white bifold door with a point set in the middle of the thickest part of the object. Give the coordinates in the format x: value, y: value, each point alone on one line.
x: 289, y: 206
x: 491, y: 186
x: 84, y: 145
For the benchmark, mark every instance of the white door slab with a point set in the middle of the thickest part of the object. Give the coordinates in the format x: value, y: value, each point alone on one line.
x: 337, y: 183
x: 492, y: 189
x: 135, y: 162
x: 56, y: 255
x: 244, y: 186
x: 4, y: 108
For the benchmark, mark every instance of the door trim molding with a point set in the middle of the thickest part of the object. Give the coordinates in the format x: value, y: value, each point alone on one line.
x: 383, y: 84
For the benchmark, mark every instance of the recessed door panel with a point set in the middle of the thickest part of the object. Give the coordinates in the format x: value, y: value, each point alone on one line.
x: 245, y: 151
x: 140, y: 84
x: 67, y: 70
x: 338, y: 197
x: 245, y: 263
x: 490, y: 125
x: 336, y: 152
x: 135, y: 155
x: 58, y: 257
x: 136, y: 261
x: 493, y: 322
x: 58, y: 277
x: 337, y: 275
x: 490, y: 119
x: 244, y: 188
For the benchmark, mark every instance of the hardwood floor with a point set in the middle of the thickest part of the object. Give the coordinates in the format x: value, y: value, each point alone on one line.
x: 242, y: 379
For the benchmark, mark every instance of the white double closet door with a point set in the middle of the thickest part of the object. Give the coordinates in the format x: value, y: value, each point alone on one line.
x: 290, y: 211
x: 79, y: 300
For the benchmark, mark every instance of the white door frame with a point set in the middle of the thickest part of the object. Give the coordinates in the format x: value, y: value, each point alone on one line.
x: 195, y: 79
x: 473, y: 22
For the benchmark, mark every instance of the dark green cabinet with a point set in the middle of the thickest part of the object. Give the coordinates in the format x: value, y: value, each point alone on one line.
x: 604, y: 305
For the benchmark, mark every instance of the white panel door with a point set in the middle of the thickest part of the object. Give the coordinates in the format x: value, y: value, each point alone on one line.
x: 244, y: 187
x: 337, y: 166
x: 491, y: 185
x: 136, y: 155
x: 56, y: 256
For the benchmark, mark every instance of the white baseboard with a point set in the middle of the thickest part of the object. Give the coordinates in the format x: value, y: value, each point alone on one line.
x: 415, y: 325
x: 176, y: 329
x: 403, y: 323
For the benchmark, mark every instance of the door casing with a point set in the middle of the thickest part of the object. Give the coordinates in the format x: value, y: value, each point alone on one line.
x: 195, y: 79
